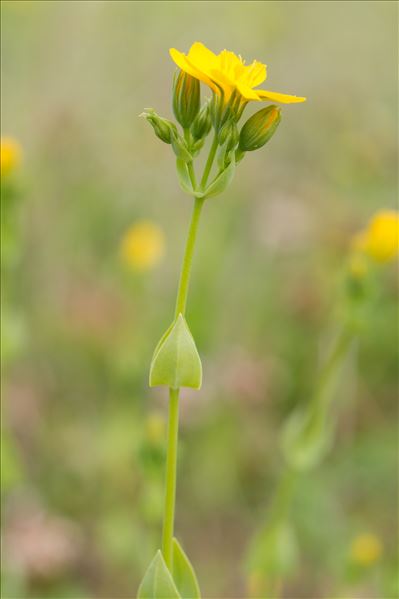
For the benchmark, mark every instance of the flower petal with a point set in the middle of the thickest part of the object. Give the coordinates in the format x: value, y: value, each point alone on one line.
x: 187, y: 66
x: 247, y: 92
x: 277, y: 97
x: 254, y: 74
x: 201, y: 57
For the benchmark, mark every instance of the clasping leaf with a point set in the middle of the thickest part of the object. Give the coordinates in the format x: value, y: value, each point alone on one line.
x: 184, y: 179
x: 176, y: 362
x: 183, y: 573
x: 223, y: 179
x: 158, y: 582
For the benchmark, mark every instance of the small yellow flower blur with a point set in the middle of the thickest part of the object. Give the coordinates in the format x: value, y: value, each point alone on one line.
x: 380, y: 240
x: 155, y: 428
x: 358, y: 265
x: 226, y: 73
x: 143, y: 245
x: 10, y: 155
x: 366, y: 549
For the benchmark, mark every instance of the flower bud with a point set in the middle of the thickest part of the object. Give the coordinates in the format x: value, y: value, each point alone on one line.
x: 164, y: 129
x: 186, y: 98
x: 259, y: 128
x: 202, y: 123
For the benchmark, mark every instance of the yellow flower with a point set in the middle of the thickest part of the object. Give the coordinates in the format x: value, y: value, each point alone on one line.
x: 227, y: 74
x: 366, y: 549
x: 10, y: 155
x: 380, y: 240
x: 143, y: 245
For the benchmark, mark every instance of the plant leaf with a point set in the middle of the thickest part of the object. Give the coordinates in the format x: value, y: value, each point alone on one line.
x: 158, y: 582
x: 183, y: 176
x: 223, y: 180
x: 176, y: 362
x: 307, y: 437
x: 183, y: 573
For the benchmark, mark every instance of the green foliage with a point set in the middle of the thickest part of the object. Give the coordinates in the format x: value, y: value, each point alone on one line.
x: 223, y: 179
x: 183, y: 573
x: 307, y: 436
x: 75, y: 396
x: 176, y: 362
x: 158, y: 582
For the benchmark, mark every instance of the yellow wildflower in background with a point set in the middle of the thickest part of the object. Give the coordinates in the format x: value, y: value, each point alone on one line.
x: 226, y: 73
x: 155, y: 428
x: 380, y: 240
x: 143, y: 245
x: 366, y: 549
x: 10, y: 155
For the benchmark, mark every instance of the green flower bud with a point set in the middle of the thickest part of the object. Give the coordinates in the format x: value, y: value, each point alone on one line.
x: 259, y: 128
x: 186, y: 98
x: 202, y: 123
x: 164, y: 129
x: 233, y: 139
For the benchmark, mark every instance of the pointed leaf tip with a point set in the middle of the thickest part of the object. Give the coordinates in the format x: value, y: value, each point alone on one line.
x: 158, y: 582
x: 176, y: 362
x: 183, y: 573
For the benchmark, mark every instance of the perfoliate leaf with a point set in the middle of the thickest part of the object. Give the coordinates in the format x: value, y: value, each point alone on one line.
x: 158, y: 582
x: 183, y: 176
x: 184, y: 179
x: 274, y: 550
x: 176, y: 362
x: 223, y: 180
x: 307, y: 437
x: 183, y: 573
x: 180, y: 148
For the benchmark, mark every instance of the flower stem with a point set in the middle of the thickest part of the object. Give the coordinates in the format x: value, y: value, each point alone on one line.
x: 188, y: 258
x: 173, y: 417
x: 209, y: 162
x: 190, y: 165
x: 171, y: 462
x: 328, y: 373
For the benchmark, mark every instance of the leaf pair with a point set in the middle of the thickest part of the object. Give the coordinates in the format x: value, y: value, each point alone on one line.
x: 176, y: 362
x: 161, y: 583
x: 217, y: 186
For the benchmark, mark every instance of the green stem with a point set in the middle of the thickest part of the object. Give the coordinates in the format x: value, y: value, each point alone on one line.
x: 283, y: 496
x: 171, y: 463
x: 188, y: 258
x: 209, y: 162
x: 191, y: 173
x: 328, y: 372
x: 173, y: 417
x: 190, y: 165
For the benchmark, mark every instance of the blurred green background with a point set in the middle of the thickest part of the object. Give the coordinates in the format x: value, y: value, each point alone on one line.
x: 83, y: 435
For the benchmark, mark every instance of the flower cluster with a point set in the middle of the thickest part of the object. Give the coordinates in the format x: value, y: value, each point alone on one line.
x: 232, y: 84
